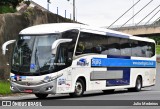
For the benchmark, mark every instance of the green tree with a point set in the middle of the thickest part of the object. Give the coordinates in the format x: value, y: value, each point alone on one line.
x: 156, y: 38
x: 12, y: 3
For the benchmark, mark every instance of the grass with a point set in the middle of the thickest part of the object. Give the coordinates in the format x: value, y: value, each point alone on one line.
x: 157, y: 49
x: 5, y: 88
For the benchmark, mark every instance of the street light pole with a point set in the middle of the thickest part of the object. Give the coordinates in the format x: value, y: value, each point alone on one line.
x: 48, y: 2
x: 73, y: 10
x: 133, y: 12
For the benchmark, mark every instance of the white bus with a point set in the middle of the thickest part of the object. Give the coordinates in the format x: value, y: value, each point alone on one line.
x: 73, y: 58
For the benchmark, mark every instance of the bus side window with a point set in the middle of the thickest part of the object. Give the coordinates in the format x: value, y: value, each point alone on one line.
x: 71, y: 34
x: 125, y: 47
x: 80, y: 48
x: 92, y: 43
x: 135, y: 48
x: 143, y: 48
x: 151, y: 49
x: 114, y: 45
x: 84, y: 44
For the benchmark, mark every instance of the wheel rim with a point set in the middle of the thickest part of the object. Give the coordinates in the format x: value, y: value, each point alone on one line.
x: 78, y: 88
x: 139, y: 84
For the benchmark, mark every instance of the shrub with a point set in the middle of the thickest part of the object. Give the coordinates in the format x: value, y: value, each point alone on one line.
x: 7, y: 9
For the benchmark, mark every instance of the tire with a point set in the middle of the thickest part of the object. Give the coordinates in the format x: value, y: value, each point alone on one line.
x: 138, y: 85
x: 79, y: 89
x: 108, y: 91
x: 41, y: 96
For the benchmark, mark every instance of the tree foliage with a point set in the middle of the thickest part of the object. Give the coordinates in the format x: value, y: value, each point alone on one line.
x: 157, y: 39
x: 12, y: 3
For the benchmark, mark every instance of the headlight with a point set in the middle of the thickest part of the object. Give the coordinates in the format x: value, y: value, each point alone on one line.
x: 47, y: 79
x: 12, y: 78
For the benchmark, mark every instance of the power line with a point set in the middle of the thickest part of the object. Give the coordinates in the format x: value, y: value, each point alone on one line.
x: 137, y: 13
x: 124, y: 13
x: 152, y: 17
x: 156, y: 20
x: 148, y: 15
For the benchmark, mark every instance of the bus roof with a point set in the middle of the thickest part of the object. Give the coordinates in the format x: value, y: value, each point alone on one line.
x: 61, y: 27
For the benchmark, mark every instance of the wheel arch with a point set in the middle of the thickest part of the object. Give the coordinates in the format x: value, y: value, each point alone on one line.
x: 140, y: 76
x: 84, y: 80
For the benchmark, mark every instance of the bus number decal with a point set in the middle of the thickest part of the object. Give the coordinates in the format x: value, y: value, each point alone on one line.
x: 96, y: 62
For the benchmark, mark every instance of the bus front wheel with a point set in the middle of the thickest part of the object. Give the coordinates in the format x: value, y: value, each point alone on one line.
x: 79, y: 89
x: 41, y: 96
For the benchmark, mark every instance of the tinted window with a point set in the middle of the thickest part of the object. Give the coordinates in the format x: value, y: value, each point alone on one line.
x: 150, y: 50
x: 114, y: 46
x: 108, y: 45
x: 91, y: 43
x: 125, y: 47
x: 142, y: 49
x: 135, y: 48
x: 67, y: 49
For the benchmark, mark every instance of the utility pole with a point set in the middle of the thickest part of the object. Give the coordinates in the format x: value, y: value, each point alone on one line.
x: 133, y: 12
x: 74, y: 11
x: 48, y: 2
x: 74, y: 8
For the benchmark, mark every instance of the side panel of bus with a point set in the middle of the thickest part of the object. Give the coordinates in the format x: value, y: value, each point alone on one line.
x: 112, y: 75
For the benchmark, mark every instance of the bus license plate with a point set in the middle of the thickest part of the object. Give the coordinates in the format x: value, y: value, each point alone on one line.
x: 28, y: 91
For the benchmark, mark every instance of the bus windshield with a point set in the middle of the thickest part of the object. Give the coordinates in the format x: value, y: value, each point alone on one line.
x: 32, y: 54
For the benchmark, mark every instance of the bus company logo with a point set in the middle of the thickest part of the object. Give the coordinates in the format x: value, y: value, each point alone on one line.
x: 82, y: 62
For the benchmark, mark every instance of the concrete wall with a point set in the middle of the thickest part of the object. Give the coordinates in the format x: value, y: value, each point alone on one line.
x: 11, y: 24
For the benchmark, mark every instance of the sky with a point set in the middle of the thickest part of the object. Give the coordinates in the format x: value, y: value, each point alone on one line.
x: 102, y: 13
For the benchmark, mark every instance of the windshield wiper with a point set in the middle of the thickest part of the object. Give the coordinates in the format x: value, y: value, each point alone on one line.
x: 52, y: 61
x: 20, y: 51
x: 37, y: 61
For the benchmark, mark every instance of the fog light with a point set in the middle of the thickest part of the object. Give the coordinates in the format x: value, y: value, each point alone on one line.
x: 12, y: 87
x: 49, y: 88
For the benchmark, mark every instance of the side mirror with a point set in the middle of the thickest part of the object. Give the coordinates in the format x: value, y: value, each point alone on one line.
x: 5, y: 45
x: 57, y: 42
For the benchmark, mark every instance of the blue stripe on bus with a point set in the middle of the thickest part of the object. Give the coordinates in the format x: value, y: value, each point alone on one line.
x: 117, y: 62
x: 126, y: 73
x: 117, y: 35
x: 123, y: 63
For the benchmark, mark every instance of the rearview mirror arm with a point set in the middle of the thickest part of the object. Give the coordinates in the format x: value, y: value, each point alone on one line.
x: 5, y: 45
x: 57, y: 42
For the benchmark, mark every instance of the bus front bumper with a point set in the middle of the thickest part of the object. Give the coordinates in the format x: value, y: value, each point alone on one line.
x: 45, y: 88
